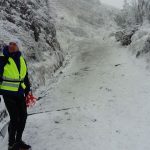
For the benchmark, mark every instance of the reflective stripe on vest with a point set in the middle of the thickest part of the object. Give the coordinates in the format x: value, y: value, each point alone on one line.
x: 12, y: 78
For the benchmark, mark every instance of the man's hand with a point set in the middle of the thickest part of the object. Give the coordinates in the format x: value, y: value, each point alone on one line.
x: 30, y: 99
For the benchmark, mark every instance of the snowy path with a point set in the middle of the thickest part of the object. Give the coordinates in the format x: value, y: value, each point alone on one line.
x: 110, y: 105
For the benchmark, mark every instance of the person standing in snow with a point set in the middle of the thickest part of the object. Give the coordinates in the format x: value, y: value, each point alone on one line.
x: 14, y: 86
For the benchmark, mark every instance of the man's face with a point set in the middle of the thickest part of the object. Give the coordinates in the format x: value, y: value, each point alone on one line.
x: 13, y: 47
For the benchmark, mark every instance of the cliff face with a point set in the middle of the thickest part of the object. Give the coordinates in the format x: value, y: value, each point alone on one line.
x: 29, y: 22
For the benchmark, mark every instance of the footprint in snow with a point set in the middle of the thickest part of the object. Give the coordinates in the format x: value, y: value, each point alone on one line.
x: 108, y: 89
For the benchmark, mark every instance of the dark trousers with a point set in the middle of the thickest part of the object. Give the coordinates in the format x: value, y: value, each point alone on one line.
x: 17, y: 110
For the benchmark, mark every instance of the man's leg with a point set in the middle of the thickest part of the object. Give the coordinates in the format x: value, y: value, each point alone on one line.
x: 11, y: 105
x: 22, y: 117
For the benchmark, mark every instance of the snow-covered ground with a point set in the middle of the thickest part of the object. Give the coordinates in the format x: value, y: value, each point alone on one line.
x: 106, y: 96
x: 100, y: 99
x: 107, y: 105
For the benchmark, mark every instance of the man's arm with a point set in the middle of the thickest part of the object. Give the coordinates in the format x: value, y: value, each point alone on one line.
x: 27, y: 83
x: 1, y: 68
x: 3, y: 62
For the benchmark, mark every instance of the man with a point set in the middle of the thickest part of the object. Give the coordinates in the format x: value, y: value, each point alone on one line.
x: 14, y: 86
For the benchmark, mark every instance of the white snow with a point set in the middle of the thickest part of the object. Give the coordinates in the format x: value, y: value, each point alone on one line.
x: 100, y: 101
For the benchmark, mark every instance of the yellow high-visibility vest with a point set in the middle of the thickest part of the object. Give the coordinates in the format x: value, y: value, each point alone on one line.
x: 12, y: 78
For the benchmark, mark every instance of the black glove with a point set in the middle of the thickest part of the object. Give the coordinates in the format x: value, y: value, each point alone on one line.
x: 1, y: 79
x: 26, y: 91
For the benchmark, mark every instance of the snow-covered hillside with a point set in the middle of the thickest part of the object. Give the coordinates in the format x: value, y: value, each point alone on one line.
x: 79, y: 19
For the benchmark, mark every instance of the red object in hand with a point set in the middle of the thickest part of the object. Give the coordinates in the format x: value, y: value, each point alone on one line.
x: 30, y: 100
